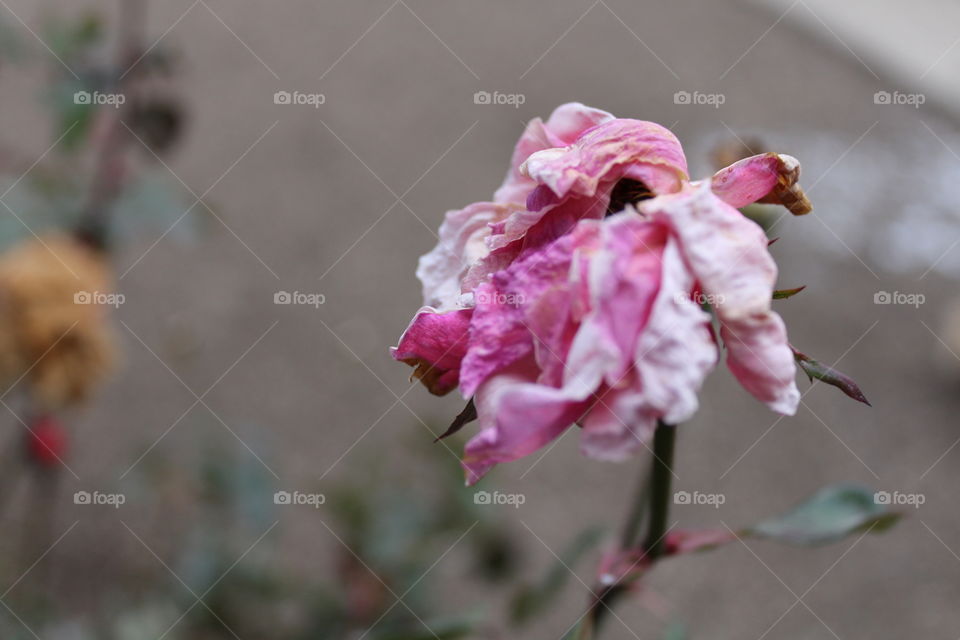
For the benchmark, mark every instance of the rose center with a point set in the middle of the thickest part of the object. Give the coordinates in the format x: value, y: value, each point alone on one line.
x: 627, y: 191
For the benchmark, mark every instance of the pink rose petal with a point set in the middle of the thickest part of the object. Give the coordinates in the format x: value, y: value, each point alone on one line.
x: 435, y: 343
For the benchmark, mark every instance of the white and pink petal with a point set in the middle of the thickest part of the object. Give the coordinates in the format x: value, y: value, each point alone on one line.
x: 462, y: 242
x: 563, y: 126
x: 643, y: 151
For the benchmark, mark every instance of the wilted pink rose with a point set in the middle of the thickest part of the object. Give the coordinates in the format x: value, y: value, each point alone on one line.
x: 464, y: 242
x: 569, y: 314
x: 464, y: 233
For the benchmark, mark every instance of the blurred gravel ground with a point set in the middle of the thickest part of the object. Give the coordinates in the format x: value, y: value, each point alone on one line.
x: 342, y: 199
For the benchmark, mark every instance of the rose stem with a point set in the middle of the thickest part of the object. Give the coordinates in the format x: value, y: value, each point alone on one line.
x: 657, y: 493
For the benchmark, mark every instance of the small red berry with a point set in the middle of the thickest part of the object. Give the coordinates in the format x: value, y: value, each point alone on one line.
x: 46, y: 441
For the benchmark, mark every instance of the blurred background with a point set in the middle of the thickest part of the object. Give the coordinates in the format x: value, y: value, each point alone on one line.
x: 219, y: 445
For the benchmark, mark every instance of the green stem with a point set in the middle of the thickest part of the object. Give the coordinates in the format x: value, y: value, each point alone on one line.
x: 657, y: 494
x: 638, y: 510
x: 663, y: 445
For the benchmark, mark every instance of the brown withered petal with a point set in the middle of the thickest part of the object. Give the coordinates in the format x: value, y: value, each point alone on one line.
x: 787, y: 191
x: 48, y: 326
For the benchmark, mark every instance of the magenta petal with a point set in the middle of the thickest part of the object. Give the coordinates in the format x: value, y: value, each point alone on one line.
x: 541, y: 197
x: 499, y: 338
x: 537, y: 227
x: 435, y: 344
x: 516, y: 312
x: 623, y: 278
x: 517, y: 417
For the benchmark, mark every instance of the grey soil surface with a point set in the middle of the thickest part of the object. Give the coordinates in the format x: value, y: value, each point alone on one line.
x: 342, y: 200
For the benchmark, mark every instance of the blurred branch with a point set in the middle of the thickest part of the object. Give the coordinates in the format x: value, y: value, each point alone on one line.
x: 110, y: 169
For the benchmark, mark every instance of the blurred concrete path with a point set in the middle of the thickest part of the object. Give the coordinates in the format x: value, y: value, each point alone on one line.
x: 341, y: 200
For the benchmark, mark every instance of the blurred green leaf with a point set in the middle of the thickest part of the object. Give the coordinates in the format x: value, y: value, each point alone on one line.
x: 72, y: 118
x: 830, y: 515
x: 532, y: 600
x: 40, y: 201
x: 11, y: 44
x: 496, y: 554
x: 146, y: 622
x: 440, y: 629
x: 71, y: 39
x: 155, y: 201
x: 783, y: 294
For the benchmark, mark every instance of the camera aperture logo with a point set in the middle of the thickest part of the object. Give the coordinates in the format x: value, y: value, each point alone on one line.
x: 114, y: 100
x: 299, y: 298
x: 890, y: 498
x: 714, y: 100
x: 497, y: 498
x: 908, y: 99
x: 115, y: 500
x: 912, y: 299
x: 511, y: 99
x: 712, y: 499
x: 98, y: 297
x: 299, y: 98
x: 299, y: 498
